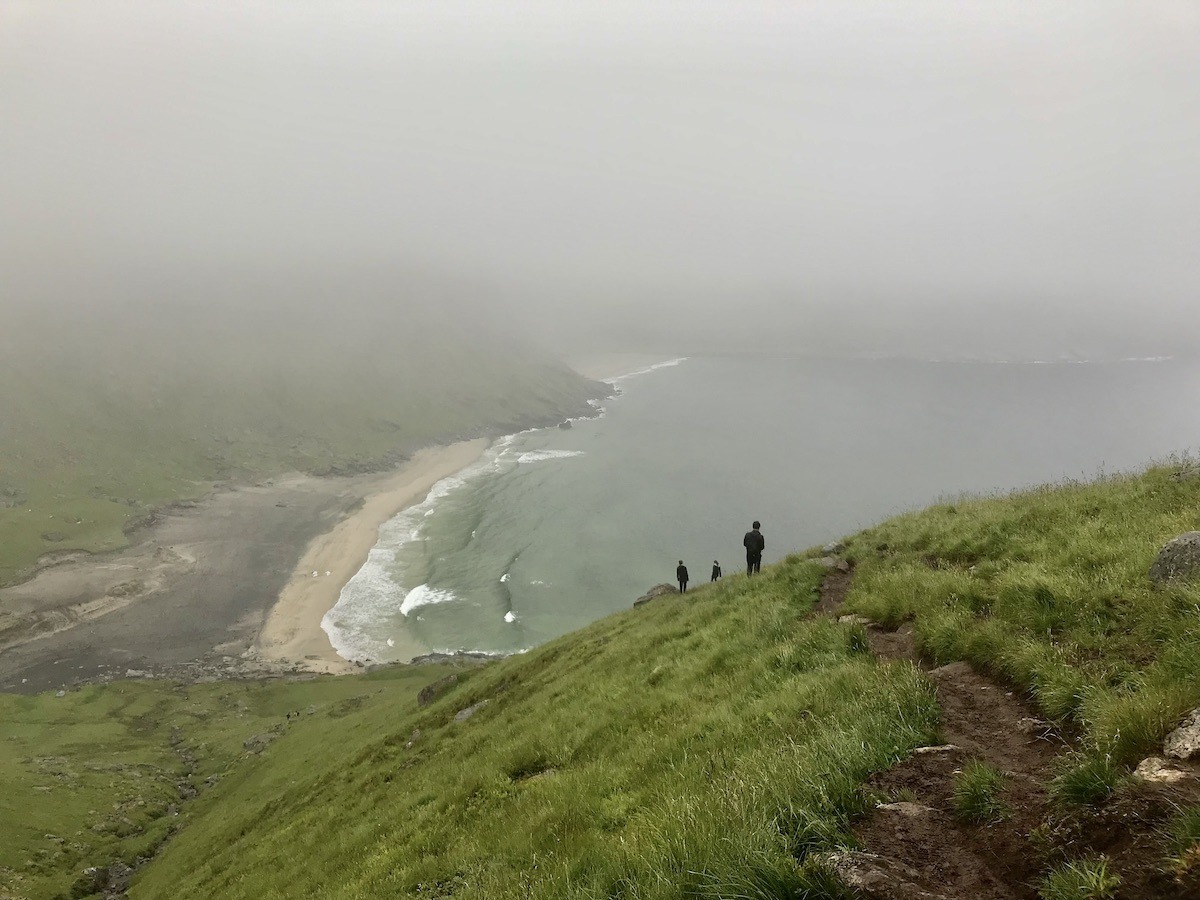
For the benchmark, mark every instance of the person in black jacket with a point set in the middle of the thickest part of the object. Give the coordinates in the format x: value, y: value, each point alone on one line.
x: 754, y: 543
x: 681, y: 574
x: 716, y: 570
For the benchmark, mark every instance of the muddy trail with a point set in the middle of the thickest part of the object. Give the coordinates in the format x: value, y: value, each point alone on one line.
x: 927, y: 840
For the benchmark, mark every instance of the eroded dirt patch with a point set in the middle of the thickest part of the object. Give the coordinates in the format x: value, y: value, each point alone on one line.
x: 919, y: 843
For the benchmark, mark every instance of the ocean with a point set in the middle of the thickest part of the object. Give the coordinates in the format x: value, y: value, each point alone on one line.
x: 555, y: 528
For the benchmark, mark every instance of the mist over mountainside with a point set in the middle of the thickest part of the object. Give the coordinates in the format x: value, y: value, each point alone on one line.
x: 110, y: 410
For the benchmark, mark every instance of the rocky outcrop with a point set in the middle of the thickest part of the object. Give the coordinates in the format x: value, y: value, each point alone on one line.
x: 463, y: 714
x: 432, y: 692
x: 467, y: 657
x: 259, y: 742
x: 1179, y: 558
x: 1184, y: 741
x: 659, y: 590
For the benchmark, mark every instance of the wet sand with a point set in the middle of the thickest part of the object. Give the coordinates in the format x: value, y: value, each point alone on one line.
x: 213, y: 588
x: 293, y: 632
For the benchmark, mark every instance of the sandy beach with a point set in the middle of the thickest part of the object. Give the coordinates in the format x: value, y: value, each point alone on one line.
x: 292, y: 632
x: 220, y: 587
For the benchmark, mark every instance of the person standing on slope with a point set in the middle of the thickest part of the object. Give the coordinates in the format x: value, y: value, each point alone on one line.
x: 754, y: 543
x: 716, y: 570
x: 681, y: 574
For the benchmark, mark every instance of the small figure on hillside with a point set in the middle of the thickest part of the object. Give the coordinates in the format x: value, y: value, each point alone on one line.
x: 716, y: 570
x: 754, y: 543
x: 682, y: 575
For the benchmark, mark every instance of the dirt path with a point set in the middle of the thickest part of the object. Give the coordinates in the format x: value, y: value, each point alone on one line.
x: 917, y: 846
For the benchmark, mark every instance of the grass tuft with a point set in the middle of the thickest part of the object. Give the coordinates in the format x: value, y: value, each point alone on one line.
x: 1087, y: 779
x: 1087, y: 879
x: 1183, y: 834
x: 977, y: 793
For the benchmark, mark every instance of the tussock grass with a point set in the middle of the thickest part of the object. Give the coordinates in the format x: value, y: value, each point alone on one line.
x: 1087, y: 879
x: 1184, y: 837
x: 1047, y: 589
x: 701, y: 746
x: 977, y: 793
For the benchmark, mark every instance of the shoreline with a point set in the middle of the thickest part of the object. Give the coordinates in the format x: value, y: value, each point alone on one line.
x: 292, y: 634
x: 608, y: 367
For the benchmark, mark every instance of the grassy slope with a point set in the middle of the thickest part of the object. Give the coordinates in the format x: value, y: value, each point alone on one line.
x: 694, y: 747
x: 700, y: 746
x: 1048, y: 589
x: 94, y: 776
x: 104, y: 420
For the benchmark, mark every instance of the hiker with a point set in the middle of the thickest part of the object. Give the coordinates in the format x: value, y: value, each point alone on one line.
x: 754, y: 544
x: 716, y: 570
x: 681, y: 574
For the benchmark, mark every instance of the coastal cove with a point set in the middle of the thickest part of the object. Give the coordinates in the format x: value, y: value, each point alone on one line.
x: 220, y: 587
x: 554, y: 528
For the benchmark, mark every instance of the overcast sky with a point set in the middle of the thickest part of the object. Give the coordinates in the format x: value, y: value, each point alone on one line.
x: 884, y: 167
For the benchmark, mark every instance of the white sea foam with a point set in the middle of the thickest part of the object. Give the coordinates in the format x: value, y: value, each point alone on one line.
x: 510, y: 617
x: 536, y: 456
x: 646, y: 371
x: 424, y: 595
x: 373, y: 595
x: 504, y: 578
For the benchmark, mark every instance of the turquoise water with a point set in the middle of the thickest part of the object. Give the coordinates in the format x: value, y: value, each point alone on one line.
x: 556, y: 528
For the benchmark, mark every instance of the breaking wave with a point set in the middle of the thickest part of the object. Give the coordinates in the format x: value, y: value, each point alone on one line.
x: 536, y: 456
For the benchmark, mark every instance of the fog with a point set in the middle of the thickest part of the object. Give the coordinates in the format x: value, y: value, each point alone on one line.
x: 930, y: 178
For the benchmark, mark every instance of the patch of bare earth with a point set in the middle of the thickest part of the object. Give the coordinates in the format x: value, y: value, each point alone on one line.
x: 915, y: 846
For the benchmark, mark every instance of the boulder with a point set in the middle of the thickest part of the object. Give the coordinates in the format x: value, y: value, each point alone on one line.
x: 463, y: 714
x: 1157, y: 770
x: 834, y: 562
x: 1184, y: 741
x: 833, y: 549
x: 659, y: 590
x: 1179, y: 558
x: 431, y: 692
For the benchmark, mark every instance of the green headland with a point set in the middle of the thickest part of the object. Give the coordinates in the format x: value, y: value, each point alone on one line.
x: 753, y: 739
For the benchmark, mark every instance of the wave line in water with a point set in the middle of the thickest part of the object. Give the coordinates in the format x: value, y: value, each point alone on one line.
x: 646, y: 371
x: 536, y: 456
x: 372, y: 593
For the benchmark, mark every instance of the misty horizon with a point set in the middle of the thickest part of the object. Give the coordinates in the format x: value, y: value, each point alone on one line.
x: 927, y: 180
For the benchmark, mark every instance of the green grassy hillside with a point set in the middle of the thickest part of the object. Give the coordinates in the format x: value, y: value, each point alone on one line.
x: 105, y: 418
x: 1048, y: 590
x: 700, y: 746
x: 694, y: 747
x: 101, y: 774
